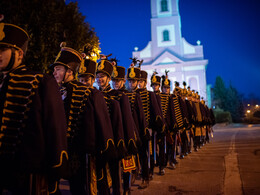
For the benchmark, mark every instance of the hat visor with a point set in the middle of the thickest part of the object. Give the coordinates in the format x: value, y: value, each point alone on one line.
x: 51, y: 67
x: 105, y: 72
x: 86, y: 74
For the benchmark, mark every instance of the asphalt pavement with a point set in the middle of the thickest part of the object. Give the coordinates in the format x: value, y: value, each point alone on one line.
x: 229, y: 164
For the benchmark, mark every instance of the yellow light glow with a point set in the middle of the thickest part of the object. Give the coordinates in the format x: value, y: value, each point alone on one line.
x: 248, y: 111
x: 256, y: 106
x: 248, y: 104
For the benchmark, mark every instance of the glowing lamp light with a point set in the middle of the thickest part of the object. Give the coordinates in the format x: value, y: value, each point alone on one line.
x: 248, y: 104
x: 256, y: 106
x: 248, y: 111
x: 198, y: 42
x: 136, y: 48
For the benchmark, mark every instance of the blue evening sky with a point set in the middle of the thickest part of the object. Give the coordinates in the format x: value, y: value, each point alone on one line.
x: 229, y: 31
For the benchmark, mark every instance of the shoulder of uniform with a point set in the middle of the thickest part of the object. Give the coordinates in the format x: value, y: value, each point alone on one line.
x: 78, y: 85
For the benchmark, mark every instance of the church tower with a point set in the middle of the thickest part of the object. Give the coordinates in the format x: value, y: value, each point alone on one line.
x: 168, y: 50
x: 165, y: 26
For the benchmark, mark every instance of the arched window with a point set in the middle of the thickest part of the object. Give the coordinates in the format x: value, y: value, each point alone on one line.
x: 164, y: 6
x: 166, y: 36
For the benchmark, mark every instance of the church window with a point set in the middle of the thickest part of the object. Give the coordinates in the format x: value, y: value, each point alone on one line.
x: 164, y: 6
x: 166, y: 36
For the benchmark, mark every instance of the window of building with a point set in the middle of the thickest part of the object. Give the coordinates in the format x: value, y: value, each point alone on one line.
x: 164, y: 6
x: 166, y: 36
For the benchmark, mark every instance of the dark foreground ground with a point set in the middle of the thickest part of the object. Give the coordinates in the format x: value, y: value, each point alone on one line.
x: 229, y: 164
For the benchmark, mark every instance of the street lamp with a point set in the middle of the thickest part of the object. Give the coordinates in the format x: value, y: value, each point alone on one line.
x: 248, y: 111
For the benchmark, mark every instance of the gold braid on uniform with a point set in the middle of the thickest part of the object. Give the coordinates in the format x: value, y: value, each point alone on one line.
x: 131, y: 97
x: 20, y: 92
x: 193, y: 116
x: 177, y: 111
x: 146, y: 104
x: 145, y: 97
x: 79, y: 96
x: 199, y: 116
x: 164, y: 103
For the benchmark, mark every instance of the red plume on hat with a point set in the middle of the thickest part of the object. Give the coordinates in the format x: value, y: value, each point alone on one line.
x: 134, y: 61
x: 114, y: 61
x: 105, y: 57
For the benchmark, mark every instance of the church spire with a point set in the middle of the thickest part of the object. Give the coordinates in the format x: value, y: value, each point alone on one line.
x: 164, y: 8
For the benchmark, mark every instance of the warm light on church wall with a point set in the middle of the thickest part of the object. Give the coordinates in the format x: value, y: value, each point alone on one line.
x: 193, y: 82
x: 192, y: 68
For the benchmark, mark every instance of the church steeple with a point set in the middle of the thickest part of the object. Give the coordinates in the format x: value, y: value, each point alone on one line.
x: 169, y: 50
x: 166, y: 26
x: 164, y: 8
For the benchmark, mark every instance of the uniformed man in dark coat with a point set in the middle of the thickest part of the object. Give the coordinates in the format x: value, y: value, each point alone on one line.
x: 104, y: 73
x: 199, y: 122
x: 75, y: 96
x: 192, y: 116
x: 205, y: 114
x: 207, y: 123
x: 99, y: 119
x: 155, y: 122
x: 130, y: 128
x: 188, y: 113
x: 159, y: 138
x: 133, y: 76
x: 177, y: 110
x: 130, y: 136
x: 33, y: 145
x: 170, y: 121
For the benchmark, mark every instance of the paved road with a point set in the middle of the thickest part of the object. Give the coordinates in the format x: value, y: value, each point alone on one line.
x: 229, y: 164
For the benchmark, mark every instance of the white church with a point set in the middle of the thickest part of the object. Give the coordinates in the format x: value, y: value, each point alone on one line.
x: 168, y: 50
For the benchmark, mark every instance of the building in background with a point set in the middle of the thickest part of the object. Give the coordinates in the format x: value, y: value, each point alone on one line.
x: 169, y: 50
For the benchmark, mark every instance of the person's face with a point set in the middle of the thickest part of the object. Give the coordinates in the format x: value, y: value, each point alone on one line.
x: 118, y: 83
x: 142, y: 84
x: 102, y: 80
x: 58, y: 73
x: 5, y: 56
x: 132, y: 84
x: 87, y: 80
x: 155, y: 87
x: 166, y: 90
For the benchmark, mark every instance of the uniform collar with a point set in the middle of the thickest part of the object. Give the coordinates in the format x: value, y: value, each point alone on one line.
x: 107, y: 88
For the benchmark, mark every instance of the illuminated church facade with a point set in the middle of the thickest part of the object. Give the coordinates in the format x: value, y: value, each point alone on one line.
x: 168, y: 50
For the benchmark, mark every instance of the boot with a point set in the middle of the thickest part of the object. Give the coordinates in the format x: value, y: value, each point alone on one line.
x: 144, y: 184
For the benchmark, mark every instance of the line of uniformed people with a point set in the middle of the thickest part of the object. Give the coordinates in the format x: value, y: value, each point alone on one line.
x: 145, y: 126
x: 86, y: 135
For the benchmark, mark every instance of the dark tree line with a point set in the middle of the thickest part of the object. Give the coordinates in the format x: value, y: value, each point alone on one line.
x: 228, y: 99
x: 48, y: 22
